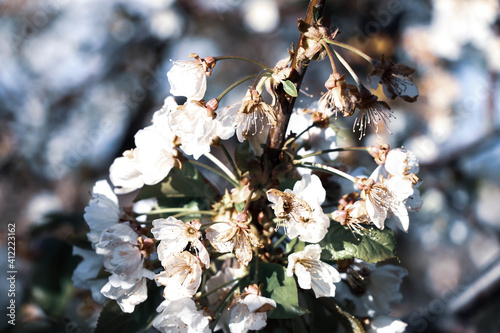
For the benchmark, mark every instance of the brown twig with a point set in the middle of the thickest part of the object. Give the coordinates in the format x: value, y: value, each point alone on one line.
x: 287, y: 102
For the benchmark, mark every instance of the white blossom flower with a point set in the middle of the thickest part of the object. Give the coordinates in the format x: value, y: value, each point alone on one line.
x: 123, y: 258
x: 383, y: 289
x: 401, y: 162
x: 312, y: 273
x: 156, y: 152
x: 386, y: 197
x: 233, y: 236
x: 376, y: 288
x: 85, y: 274
x: 340, y: 97
x: 395, y: 80
x: 189, y: 77
x: 195, y: 127
x: 218, y: 285
x: 390, y: 189
x: 181, y: 316
x: 351, y: 212
x: 371, y: 112
x: 125, y: 172
x: 251, y: 116
x: 301, y: 209
x: 175, y: 235
x: 402, y: 165
x: 151, y: 160
x: 249, y: 311
x: 147, y: 164
x: 102, y: 212
x: 181, y: 277
x: 384, y: 324
x: 121, y: 251
x: 127, y: 293
x: 315, y: 139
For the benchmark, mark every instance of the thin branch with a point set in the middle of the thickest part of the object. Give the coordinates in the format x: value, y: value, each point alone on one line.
x: 299, y: 66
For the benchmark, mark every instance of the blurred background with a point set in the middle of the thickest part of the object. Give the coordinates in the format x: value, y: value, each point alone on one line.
x: 79, y: 78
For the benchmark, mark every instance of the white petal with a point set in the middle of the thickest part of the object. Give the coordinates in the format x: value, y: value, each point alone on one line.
x: 187, y: 78
x: 414, y: 201
x: 401, y: 217
x: 125, y: 173
x: 400, y: 187
x: 384, y: 324
x: 303, y: 276
x: 255, y: 302
x: 180, y: 316
x: 127, y: 295
x: 323, y: 280
x: 377, y: 214
x: 312, y: 252
x: 401, y: 161
x: 310, y: 189
x: 216, y: 230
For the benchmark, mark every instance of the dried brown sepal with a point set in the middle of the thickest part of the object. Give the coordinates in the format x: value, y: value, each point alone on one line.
x: 340, y: 96
x: 395, y: 80
x: 379, y: 152
x: 312, y: 48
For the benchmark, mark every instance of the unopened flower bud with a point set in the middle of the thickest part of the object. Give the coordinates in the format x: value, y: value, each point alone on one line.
x: 146, y: 246
x: 241, y: 217
x: 211, y: 106
x: 252, y: 289
x: 209, y: 63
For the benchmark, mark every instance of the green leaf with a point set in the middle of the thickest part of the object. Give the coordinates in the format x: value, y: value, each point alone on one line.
x: 354, y: 323
x: 180, y: 183
x: 242, y: 155
x: 51, y: 284
x: 316, y: 14
x: 289, y: 88
x: 348, y: 321
x: 295, y: 245
x: 279, y: 287
x: 112, y: 319
x: 240, y: 206
x: 373, y: 245
x: 320, y: 320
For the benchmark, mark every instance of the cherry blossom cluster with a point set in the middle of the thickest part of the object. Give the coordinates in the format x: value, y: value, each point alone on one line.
x: 207, y: 260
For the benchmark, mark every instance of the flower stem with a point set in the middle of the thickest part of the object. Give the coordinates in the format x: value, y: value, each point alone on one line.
x: 325, y: 168
x: 326, y: 151
x: 218, y: 287
x: 222, y: 305
x: 237, y: 83
x: 223, y: 175
x: 299, y: 64
x: 330, y: 55
x: 223, y: 167
x: 292, y: 140
x: 349, y: 69
x: 180, y: 210
x: 243, y: 59
x: 350, y: 48
x: 230, y: 159
x: 280, y: 240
